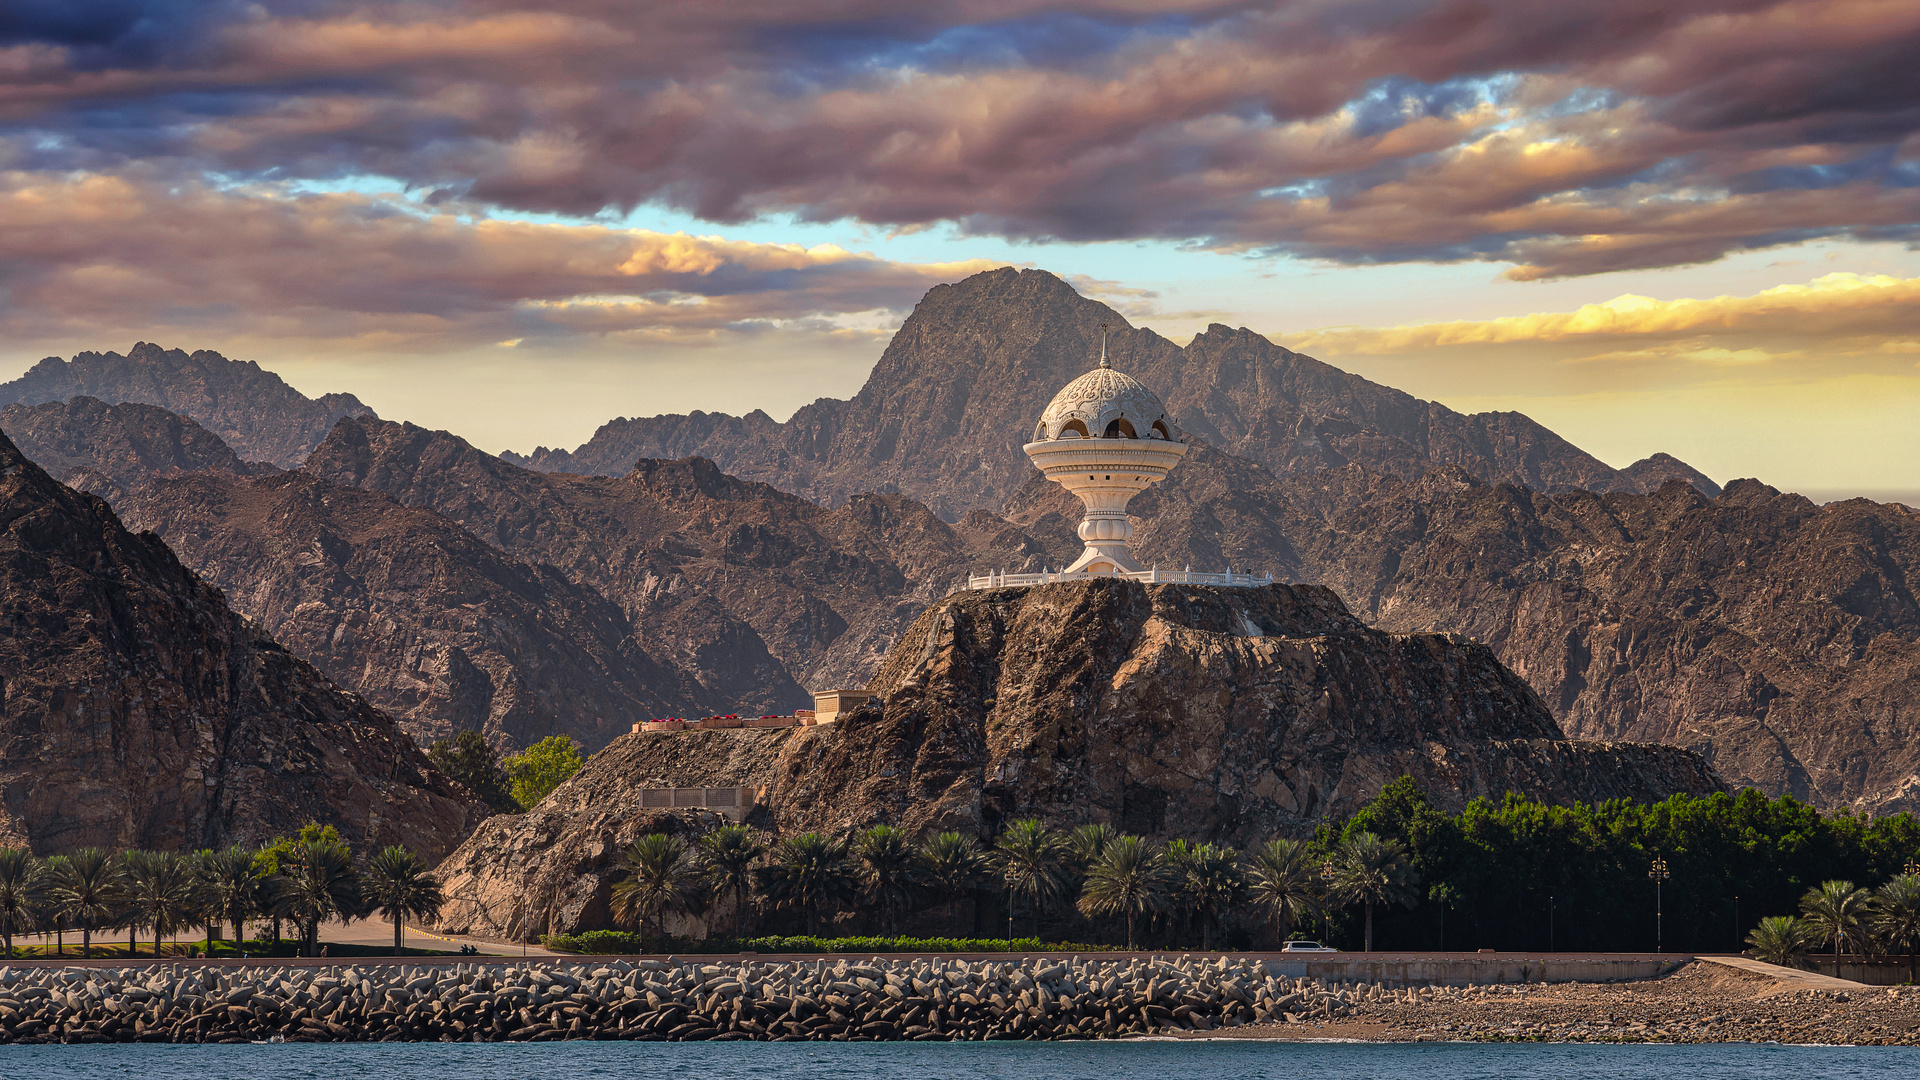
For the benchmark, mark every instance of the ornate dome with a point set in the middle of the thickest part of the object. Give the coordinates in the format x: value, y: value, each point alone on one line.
x: 1104, y: 403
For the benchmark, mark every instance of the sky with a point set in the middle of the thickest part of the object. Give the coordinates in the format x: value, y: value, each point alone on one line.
x: 1681, y: 226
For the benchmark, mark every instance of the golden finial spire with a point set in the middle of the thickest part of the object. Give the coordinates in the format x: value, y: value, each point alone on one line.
x: 1103, y: 346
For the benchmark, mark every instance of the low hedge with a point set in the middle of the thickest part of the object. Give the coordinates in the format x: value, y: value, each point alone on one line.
x: 623, y: 942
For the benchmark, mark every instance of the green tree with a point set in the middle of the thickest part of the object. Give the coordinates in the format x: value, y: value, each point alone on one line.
x: 808, y: 871
x: 161, y: 891
x: 729, y: 854
x: 1208, y: 878
x: 1895, y: 916
x: 1284, y: 883
x: 1837, y: 913
x: 540, y: 768
x: 1369, y: 870
x: 1129, y: 880
x: 54, y: 869
x: 400, y: 886
x: 87, y: 889
x: 1085, y: 845
x: 888, y: 871
x: 1781, y: 939
x: 1033, y: 866
x: 232, y: 883
x: 469, y: 759
x: 22, y: 892
x: 657, y: 874
x: 320, y: 884
x: 953, y: 865
x: 270, y: 864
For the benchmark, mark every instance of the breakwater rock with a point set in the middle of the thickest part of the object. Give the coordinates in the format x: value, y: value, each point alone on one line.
x: 838, y: 999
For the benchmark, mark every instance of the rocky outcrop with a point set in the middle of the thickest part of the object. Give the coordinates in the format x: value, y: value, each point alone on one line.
x: 1173, y: 711
x: 137, y: 709
x: 945, y: 411
x: 442, y: 631
x: 105, y: 449
x: 253, y: 410
x: 551, y: 870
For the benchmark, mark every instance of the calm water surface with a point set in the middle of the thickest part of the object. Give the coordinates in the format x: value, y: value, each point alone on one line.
x: 953, y: 1061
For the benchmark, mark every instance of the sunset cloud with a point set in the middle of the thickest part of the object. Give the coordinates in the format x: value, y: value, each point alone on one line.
x: 115, y: 254
x: 1571, y: 138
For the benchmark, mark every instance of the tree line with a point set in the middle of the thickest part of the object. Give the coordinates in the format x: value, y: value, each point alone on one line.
x: 301, y: 881
x: 1510, y: 874
x: 1035, y: 871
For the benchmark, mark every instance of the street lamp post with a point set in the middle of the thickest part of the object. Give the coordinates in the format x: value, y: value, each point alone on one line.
x: 1549, y: 923
x: 1659, y: 875
x: 1326, y: 910
x: 1736, y: 922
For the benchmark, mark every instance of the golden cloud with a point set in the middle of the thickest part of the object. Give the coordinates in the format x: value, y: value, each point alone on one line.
x: 1834, y: 305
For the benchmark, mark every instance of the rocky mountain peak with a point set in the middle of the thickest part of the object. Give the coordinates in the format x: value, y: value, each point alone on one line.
x: 253, y: 410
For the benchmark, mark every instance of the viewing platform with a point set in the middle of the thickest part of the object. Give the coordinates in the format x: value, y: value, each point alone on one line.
x: 1155, y: 576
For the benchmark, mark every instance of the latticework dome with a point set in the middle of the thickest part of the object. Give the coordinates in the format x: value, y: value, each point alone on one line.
x: 1104, y: 404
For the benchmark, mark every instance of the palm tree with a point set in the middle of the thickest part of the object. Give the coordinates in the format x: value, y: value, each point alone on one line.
x: 320, y: 884
x: 1896, y: 917
x: 1208, y: 878
x: 22, y: 892
x: 1835, y: 910
x: 1284, y: 883
x: 808, y: 870
x: 1033, y: 866
x: 1130, y: 879
x: 729, y: 853
x: 888, y: 870
x: 87, y: 890
x: 161, y: 891
x: 232, y: 885
x: 1782, y: 939
x: 1369, y: 870
x: 1085, y: 845
x: 656, y: 874
x: 953, y: 864
x: 399, y: 886
x: 52, y: 870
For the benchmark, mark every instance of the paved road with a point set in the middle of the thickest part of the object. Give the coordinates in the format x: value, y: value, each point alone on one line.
x: 378, y: 932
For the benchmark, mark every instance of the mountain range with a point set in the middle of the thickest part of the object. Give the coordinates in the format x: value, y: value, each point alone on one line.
x: 736, y: 562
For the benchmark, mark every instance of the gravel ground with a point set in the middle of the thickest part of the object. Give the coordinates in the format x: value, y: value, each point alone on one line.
x: 1699, y: 1003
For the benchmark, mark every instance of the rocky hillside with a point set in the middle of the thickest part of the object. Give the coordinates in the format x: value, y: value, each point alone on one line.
x: 1226, y: 714
x: 138, y: 709
x: 1178, y: 710
x: 253, y: 410
x: 442, y: 631
x: 1779, y: 638
x: 755, y: 591
x: 552, y: 869
x: 945, y: 411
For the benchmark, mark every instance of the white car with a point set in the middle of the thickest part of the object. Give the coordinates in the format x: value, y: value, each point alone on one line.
x: 1306, y: 946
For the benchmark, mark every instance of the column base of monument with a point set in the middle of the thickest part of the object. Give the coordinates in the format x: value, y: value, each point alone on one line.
x: 1111, y: 558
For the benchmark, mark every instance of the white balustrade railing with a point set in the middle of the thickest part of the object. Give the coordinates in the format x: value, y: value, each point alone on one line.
x: 1001, y: 580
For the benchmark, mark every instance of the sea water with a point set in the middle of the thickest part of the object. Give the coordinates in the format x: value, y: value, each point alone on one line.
x: 1129, y: 1060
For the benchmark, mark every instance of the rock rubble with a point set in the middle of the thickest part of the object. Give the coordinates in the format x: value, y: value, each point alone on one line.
x: 826, y: 999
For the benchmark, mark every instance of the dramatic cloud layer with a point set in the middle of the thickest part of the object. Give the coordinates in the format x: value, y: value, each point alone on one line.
x: 115, y: 255
x: 1566, y: 138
